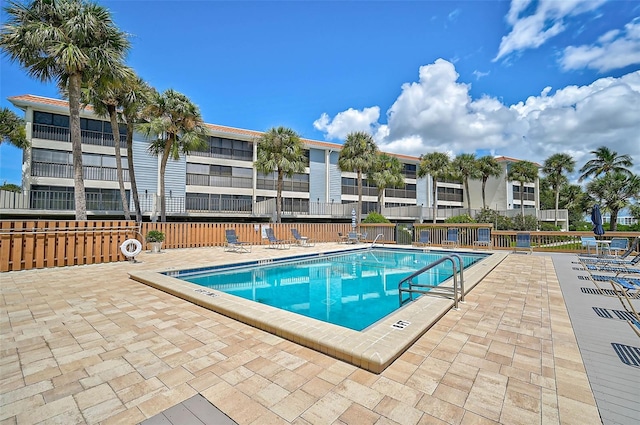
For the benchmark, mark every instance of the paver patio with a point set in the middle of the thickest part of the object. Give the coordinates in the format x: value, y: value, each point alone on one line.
x: 88, y: 345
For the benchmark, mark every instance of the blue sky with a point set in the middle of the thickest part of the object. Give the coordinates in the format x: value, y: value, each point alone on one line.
x: 523, y: 78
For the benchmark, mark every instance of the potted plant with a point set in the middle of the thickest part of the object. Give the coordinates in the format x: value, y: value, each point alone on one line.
x: 155, y: 238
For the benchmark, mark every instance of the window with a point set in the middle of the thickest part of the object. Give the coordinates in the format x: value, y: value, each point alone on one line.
x: 410, y: 171
x: 450, y: 194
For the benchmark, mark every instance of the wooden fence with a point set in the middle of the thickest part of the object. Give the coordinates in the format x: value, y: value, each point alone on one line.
x: 26, y: 245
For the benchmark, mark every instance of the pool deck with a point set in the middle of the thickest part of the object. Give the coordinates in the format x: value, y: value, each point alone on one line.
x: 87, y: 344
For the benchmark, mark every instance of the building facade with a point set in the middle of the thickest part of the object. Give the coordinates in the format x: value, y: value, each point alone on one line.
x: 220, y: 182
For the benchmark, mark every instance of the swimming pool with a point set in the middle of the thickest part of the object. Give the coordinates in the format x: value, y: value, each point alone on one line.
x: 353, y: 290
x: 373, y: 348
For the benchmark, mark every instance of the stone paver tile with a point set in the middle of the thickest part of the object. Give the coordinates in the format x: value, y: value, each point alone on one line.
x: 97, y: 413
x: 451, y: 395
x: 94, y: 395
x: 20, y: 406
x: 293, y: 405
x: 317, y: 387
x: 326, y: 410
x: 271, y: 395
x: 24, y: 392
x: 487, y: 395
x: 359, y: 393
x: 359, y: 415
x: 163, y: 400
x: 128, y: 416
x: 397, y: 411
x: 573, y: 412
x: 204, y: 381
x: 441, y: 408
x: 47, y: 411
x: 175, y: 377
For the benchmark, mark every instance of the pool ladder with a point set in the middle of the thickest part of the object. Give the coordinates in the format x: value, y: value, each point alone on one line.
x: 419, y: 288
x: 376, y: 239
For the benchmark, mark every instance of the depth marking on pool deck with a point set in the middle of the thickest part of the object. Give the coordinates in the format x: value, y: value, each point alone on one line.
x: 400, y: 324
x: 207, y: 293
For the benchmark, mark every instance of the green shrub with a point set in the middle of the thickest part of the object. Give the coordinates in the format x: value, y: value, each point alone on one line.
x: 374, y: 217
x: 500, y: 222
x: 154, y: 236
x: 464, y: 218
x: 526, y: 223
x: 549, y: 227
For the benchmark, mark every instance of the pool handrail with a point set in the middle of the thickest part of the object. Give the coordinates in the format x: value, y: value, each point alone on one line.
x: 409, y: 279
x: 375, y: 240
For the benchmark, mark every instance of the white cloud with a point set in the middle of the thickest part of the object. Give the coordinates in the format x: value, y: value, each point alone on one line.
x: 615, y: 49
x: 533, y: 30
x: 437, y: 113
x: 480, y: 74
x: 348, y: 121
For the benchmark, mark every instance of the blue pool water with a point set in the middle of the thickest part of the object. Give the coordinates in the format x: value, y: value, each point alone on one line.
x: 354, y: 289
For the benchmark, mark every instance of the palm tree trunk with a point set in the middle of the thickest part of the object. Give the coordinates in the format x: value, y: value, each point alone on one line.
x: 359, y: 198
x: 75, y: 81
x: 435, y: 198
x: 466, y: 189
x: 522, y: 200
x: 279, y: 197
x: 613, y: 223
x: 557, y: 202
x: 132, y: 174
x: 484, y: 198
x: 380, y: 199
x: 116, y: 143
x: 163, y: 168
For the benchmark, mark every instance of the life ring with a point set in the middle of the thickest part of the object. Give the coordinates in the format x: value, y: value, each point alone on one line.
x: 131, y: 247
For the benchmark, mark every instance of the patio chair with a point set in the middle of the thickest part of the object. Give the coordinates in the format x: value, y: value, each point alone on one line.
x: 452, y: 238
x: 301, y: 240
x: 589, y: 242
x: 523, y: 241
x: 423, y: 240
x: 363, y: 237
x: 618, y: 245
x: 275, y: 242
x: 621, y: 259
x: 233, y: 244
x: 484, y: 238
x: 342, y: 238
x: 352, y: 237
x: 619, y: 269
x: 603, y: 262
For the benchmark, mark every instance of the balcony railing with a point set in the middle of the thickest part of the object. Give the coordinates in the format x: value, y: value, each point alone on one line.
x: 61, y: 134
x: 65, y: 171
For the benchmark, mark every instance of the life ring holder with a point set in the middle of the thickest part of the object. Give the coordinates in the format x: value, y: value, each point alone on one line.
x: 130, y: 248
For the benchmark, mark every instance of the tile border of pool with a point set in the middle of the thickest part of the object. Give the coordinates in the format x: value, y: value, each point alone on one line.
x: 372, y: 349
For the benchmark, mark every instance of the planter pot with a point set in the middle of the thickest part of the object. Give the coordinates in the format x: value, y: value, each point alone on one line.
x: 155, y: 247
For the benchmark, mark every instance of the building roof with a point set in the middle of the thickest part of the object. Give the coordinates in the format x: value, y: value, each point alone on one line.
x: 510, y: 159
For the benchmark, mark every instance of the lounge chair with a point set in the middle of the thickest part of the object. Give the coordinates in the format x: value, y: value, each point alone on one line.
x: 625, y: 300
x: 301, y: 240
x: 484, y: 238
x: 352, y: 237
x: 275, y: 242
x: 342, y: 238
x: 602, y: 262
x: 233, y: 244
x: 523, y: 241
x: 622, y: 257
x: 618, y: 245
x: 617, y: 269
x: 452, y: 238
x: 423, y: 240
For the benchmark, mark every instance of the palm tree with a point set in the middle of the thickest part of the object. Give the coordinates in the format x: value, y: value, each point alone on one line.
x: 280, y: 149
x: 12, y: 129
x: 554, y: 167
x: 465, y: 166
x: 437, y: 165
x: 179, y: 129
x: 385, y: 172
x: 64, y: 41
x: 614, y: 192
x: 103, y: 93
x: 523, y: 172
x: 357, y: 155
x: 607, y: 161
x: 488, y: 166
x: 134, y: 98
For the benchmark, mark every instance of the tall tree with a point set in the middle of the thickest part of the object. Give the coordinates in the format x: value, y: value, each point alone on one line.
x: 554, y: 167
x: 12, y: 129
x: 357, y: 155
x: 613, y: 192
x: 103, y: 91
x: 488, y: 167
x: 606, y: 161
x: 465, y: 166
x: 438, y: 166
x: 64, y: 40
x: 385, y: 172
x: 522, y: 172
x: 134, y: 98
x: 175, y: 127
x: 280, y: 150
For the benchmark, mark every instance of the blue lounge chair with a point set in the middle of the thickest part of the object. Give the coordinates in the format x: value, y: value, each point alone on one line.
x: 484, y: 238
x: 233, y: 244
x: 301, y: 240
x: 523, y: 241
x: 423, y: 240
x: 589, y: 242
x: 275, y: 242
x: 352, y: 237
x: 618, y: 245
x: 452, y: 238
x: 602, y: 262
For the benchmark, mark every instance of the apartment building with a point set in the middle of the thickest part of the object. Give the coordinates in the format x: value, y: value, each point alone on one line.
x: 220, y: 182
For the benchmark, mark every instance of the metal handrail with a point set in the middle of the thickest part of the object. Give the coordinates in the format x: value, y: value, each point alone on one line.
x: 376, y: 238
x: 411, y: 289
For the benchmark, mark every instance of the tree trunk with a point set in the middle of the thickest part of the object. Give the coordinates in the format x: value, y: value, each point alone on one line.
x: 613, y: 223
x: 435, y: 197
x: 380, y: 200
x: 359, y: 212
x: 522, y: 200
x: 484, y: 198
x: 557, y: 202
x: 279, y: 197
x: 466, y: 189
x: 75, y: 81
x: 115, y: 130
x: 163, y: 168
x: 132, y: 175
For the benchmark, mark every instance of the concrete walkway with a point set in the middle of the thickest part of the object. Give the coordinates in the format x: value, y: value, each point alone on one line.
x: 88, y: 345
